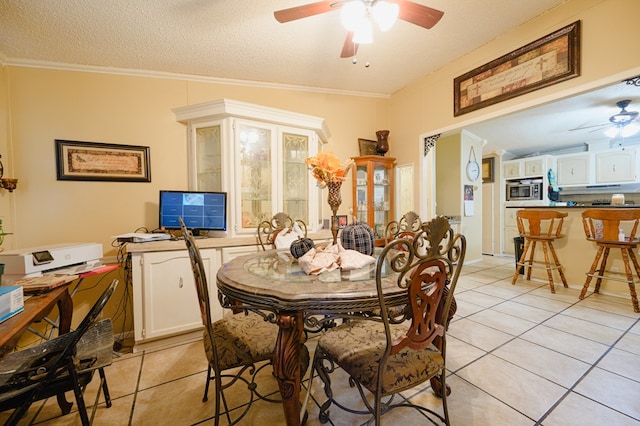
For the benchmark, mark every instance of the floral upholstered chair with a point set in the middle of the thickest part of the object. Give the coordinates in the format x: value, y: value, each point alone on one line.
x: 400, y: 348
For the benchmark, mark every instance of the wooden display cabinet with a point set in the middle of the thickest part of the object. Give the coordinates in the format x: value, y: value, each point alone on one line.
x: 373, y: 190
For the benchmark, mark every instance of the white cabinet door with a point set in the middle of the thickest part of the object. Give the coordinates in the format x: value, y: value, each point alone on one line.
x: 512, y: 169
x: 165, y: 298
x: 574, y: 169
x: 616, y: 166
x: 534, y: 167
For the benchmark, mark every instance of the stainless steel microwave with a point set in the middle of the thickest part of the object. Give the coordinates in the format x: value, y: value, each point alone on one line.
x: 518, y: 191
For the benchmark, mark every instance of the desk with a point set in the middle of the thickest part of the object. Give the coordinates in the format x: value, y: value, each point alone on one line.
x: 272, y: 281
x: 36, y: 308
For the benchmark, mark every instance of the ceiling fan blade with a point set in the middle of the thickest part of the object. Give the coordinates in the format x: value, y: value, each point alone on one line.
x: 589, y: 127
x: 349, y: 48
x: 304, y: 11
x: 418, y: 14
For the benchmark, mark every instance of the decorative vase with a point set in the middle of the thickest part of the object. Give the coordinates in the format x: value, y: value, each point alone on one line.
x: 334, y: 199
x: 383, y: 142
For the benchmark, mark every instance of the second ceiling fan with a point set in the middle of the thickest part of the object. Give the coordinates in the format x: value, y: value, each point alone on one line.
x: 357, y: 17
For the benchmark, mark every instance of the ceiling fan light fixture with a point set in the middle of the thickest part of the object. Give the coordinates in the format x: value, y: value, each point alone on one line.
x: 630, y: 130
x: 611, y: 132
x: 385, y: 14
x: 352, y: 14
x: 364, y: 33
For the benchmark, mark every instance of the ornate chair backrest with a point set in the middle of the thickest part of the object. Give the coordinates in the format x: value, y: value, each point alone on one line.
x: 408, y: 224
x: 605, y: 224
x: 268, y: 229
x: 427, y: 267
x: 536, y: 223
x: 200, y: 278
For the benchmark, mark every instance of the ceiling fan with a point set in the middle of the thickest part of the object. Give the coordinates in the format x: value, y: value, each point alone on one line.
x: 356, y: 16
x: 625, y: 123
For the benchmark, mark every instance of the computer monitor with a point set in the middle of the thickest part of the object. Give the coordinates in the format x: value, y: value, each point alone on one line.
x: 200, y: 210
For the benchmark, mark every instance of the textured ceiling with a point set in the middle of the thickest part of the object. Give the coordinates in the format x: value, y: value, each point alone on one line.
x: 240, y: 39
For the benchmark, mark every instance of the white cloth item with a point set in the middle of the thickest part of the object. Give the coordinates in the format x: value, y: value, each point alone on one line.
x: 334, y: 256
x: 287, y: 236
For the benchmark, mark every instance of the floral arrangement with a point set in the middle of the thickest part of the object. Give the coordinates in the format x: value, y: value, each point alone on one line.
x: 326, y: 168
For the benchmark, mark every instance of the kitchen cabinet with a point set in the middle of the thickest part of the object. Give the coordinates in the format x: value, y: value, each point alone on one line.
x: 510, y: 230
x: 574, y: 169
x: 255, y: 154
x: 527, y: 167
x: 512, y: 169
x: 165, y: 302
x: 373, y: 192
x: 616, y: 166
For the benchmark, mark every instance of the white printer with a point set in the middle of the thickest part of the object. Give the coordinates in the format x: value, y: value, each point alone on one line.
x: 34, y: 261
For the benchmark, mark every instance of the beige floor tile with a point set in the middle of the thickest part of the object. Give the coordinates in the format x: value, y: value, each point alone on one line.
x: 523, y: 311
x: 567, y: 295
x: 118, y: 414
x: 630, y: 342
x: 539, y: 302
x: 621, y: 322
x: 465, y: 309
x: 586, y: 329
x: 478, y: 335
x: 574, y: 346
x: 477, y: 298
x: 516, y: 387
x: 623, y: 363
x: 503, y: 322
x: 501, y: 292
x: 460, y: 353
x: 613, y: 304
x: 122, y: 379
x: 612, y: 390
x: 558, y: 368
x: 169, y: 364
x: 578, y: 410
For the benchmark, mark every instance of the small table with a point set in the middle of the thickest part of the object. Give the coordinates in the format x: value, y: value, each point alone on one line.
x: 273, y: 281
x: 36, y: 308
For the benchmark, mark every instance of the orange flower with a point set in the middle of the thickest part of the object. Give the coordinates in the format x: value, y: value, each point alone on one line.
x: 326, y: 167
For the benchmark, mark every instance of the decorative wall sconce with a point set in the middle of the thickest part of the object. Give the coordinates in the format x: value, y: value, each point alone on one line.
x: 7, y: 183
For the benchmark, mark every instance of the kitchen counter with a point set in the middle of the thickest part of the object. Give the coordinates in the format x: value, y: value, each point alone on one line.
x: 580, y: 206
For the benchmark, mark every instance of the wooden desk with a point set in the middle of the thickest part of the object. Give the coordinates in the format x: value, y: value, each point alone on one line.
x: 35, y: 309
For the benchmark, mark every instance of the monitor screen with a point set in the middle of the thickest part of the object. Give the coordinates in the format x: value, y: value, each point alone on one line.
x: 200, y: 210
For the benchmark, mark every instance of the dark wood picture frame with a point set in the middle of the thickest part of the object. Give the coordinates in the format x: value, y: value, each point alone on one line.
x: 547, y: 61
x: 488, y: 175
x: 342, y: 220
x: 95, y: 161
x: 367, y: 147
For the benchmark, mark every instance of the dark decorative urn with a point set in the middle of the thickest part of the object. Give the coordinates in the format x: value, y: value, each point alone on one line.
x: 383, y: 142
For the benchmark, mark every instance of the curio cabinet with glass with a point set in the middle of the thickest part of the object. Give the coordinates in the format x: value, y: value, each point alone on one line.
x: 257, y: 155
x: 373, y: 192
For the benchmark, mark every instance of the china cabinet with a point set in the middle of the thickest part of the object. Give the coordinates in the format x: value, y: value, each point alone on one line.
x: 256, y: 154
x: 373, y: 192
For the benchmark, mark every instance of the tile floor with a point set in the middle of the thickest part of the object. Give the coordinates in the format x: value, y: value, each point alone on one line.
x: 518, y: 355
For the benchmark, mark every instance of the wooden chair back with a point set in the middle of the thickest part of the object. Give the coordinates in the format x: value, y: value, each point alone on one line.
x: 540, y: 223
x: 604, y: 224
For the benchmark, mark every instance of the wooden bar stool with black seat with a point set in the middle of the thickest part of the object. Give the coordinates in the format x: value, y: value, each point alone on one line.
x: 603, y: 226
x: 540, y: 226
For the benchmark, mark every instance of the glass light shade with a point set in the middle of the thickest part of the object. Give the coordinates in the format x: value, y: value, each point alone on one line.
x: 352, y: 14
x: 611, y: 132
x: 364, y: 33
x: 385, y: 14
x: 630, y: 130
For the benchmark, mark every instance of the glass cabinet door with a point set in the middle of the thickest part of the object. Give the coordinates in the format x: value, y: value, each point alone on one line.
x: 381, y: 200
x: 295, y: 177
x: 208, y: 162
x: 254, y: 173
x: 361, y: 197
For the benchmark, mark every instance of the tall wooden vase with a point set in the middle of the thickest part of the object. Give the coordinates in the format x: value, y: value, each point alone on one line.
x: 334, y: 199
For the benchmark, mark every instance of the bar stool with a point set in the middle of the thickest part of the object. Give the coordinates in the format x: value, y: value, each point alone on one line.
x: 603, y: 226
x: 530, y: 226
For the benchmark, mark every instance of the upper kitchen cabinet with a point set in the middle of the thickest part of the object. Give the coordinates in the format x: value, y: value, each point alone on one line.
x: 616, y: 166
x: 527, y: 167
x: 574, y: 169
x: 256, y: 154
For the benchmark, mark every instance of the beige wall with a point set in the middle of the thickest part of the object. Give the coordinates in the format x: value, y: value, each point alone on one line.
x: 39, y: 105
x: 426, y: 106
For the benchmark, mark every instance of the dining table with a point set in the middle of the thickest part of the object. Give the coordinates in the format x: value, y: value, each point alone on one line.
x: 273, y: 283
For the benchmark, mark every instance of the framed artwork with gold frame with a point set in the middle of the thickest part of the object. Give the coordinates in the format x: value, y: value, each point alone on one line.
x: 488, y: 170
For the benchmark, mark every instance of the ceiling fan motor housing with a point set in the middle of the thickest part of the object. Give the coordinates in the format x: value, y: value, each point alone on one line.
x: 624, y: 117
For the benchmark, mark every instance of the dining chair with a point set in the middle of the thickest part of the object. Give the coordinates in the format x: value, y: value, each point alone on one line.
x: 268, y: 230
x: 603, y: 226
x: 233, y: 344
x: 408, y: 224
x: 544, y: 227
x: 66, y: 363
x: 399, y: 349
